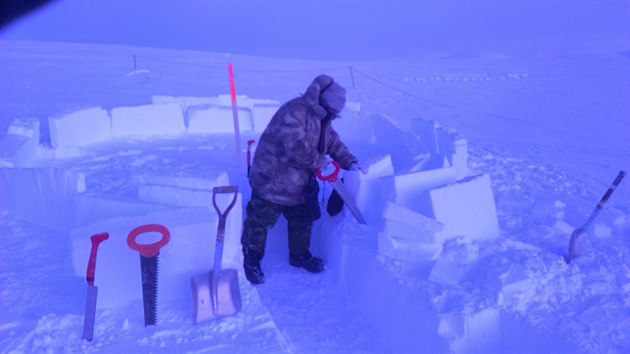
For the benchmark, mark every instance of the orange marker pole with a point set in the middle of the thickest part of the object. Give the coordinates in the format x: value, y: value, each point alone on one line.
x: 237, y: 131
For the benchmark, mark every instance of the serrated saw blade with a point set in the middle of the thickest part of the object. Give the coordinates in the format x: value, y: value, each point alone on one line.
x: 149, y: 269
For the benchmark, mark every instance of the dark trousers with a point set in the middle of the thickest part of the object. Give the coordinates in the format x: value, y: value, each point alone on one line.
x: 263, y: 214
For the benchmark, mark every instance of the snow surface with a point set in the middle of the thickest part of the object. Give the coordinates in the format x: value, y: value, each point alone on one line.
x: 549, y: 125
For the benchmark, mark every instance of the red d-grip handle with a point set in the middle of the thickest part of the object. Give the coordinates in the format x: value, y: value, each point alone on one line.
x: 150, y: 249
x: 329, y: 177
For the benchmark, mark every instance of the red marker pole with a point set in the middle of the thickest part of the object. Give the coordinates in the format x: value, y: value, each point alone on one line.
x: 237, y: 131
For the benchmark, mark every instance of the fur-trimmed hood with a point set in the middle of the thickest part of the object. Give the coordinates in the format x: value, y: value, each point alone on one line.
x: 313, y: 93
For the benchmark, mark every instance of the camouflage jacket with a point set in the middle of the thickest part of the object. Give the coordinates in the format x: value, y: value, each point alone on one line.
x: 287, y: 155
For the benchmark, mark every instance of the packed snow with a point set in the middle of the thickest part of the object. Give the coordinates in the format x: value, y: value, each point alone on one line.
x: 481, y: 166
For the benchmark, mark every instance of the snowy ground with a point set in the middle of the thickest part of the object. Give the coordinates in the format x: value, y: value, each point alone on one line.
x: 550, y: 124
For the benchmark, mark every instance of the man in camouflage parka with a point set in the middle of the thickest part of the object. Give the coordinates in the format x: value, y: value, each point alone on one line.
x: 290, y: 150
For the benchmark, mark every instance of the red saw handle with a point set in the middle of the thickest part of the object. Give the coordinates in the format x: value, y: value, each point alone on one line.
x: 91, y: 268
x: 150, y: 249
x: 331, y: 176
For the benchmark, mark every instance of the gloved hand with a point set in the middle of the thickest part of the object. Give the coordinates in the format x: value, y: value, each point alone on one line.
x: 335, y: 203
x: 356, y: 167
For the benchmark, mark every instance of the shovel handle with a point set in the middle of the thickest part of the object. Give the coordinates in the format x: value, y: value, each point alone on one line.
x: 223, y: 215
x: 91, y: 268
x: 150, y: 249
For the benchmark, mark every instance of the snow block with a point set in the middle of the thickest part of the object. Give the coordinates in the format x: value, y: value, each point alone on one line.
x: 20, y: 144
x: 79, y: 128
x: 43, y: 196
x: 189, y: 252
x: 148, y: 120
x: 355, y: 128
x: 220, y: 179
x: 262, y: 114
x: 467, y: 208
x: 368, y: 194
x: 409, y: 190
x: 180, y: 191
x: 404, y: 223
x: 210, y: 118
x: 92, y: 207
x: 184, y: 101
x: 440, y: 141
x: 407, y: 250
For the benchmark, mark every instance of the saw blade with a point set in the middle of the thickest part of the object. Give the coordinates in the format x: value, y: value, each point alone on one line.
x: 149, y: 269
x: 348, y: 198
x: 90, y: 312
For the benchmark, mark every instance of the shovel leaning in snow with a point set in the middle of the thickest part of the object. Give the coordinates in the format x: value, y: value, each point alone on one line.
x: 216, y: 294
x: 573, y: 242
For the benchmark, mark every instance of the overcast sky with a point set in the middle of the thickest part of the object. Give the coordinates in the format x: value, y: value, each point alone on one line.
x: 323, y: 29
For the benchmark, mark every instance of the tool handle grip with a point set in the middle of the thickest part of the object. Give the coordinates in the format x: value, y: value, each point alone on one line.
x: 222, y: 190
x: 91, y: 268
x: 150, y: 249
x: 329, y: 172
x: 612, y: 188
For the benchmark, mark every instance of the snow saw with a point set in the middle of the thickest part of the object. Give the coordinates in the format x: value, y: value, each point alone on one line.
x: 217, y: 293
x: 575, y: 236
x: 149, y: 266
x: 330, y: 173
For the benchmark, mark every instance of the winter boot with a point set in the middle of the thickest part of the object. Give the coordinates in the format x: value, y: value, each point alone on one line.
x: 253, y: 272
x: 307, y: 261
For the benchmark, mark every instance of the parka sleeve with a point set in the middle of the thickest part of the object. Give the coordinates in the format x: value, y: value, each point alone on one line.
x: 339, y: 151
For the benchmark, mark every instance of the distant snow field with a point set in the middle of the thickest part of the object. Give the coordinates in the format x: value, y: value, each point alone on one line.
x: 475, y: 184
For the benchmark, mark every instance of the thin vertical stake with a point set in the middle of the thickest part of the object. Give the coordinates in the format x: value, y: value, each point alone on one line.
x: 134, y: 63
x: 351, y: 76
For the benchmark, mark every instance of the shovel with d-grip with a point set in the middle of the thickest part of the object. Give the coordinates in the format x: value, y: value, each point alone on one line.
x: 92, y: 291
x: 217, y: 294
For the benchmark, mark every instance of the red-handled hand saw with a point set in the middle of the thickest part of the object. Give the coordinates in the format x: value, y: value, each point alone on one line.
x: 330, y: 173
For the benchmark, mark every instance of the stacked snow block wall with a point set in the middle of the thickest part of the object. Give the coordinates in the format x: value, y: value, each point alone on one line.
x: 165, y: 116
x: 215, y: 114
x: 58, y: 198
x: 420, y: 196
x: 426, y: 213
